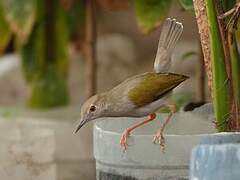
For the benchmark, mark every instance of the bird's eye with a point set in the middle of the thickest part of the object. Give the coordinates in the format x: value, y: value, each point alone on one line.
x: 92, y: 108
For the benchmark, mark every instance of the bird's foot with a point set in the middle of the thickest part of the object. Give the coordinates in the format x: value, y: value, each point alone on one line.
x: 124, y: 137
x: 159, y: 138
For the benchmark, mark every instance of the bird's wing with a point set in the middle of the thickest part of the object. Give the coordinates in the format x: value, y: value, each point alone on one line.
x: 153, y: 86
x: 171, y: 32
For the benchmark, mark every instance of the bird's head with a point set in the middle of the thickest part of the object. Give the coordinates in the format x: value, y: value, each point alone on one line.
x: 92, y: 109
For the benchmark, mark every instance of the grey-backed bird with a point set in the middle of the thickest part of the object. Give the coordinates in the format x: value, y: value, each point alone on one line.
x: 143, y: 94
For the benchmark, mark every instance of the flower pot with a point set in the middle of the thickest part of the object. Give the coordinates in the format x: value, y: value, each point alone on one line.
x: 144, y: 160
x: 217, y: 157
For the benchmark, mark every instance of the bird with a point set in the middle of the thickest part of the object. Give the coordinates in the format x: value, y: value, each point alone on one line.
x: 141, y: 95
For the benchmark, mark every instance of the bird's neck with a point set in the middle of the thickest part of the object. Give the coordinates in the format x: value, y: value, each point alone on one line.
x: 107, y: 103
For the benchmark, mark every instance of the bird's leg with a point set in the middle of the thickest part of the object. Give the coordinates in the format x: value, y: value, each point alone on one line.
x: 159, y: 135
x: 126, y: 133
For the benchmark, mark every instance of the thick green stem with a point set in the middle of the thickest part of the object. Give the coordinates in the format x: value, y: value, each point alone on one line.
x: 235, y: 62
x: 236, y: 70
x: 220, y: 81
x: 233, y: 65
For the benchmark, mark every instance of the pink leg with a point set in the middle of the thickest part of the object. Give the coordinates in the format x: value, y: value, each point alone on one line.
x: 159, y: 135
x: 126, y: 133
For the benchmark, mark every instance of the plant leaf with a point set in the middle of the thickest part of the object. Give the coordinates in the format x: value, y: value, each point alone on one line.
x: 32, y: 54
x: 5, y: 32
x: 20, y: 15
x: 75, y: 17
x: 150, y: 13
x: 61, y: 38
x: 187, y: 4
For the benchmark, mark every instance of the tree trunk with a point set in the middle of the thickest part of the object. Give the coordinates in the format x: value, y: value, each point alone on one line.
x: 202, y: 21
x: 201, y: 77
x: 90, y: 48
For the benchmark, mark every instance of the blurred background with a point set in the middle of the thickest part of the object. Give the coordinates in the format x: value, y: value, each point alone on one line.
x: 55, y: 54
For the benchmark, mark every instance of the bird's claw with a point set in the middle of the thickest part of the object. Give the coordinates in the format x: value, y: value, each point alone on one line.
x: 159, y: 138
x: 123, y: 140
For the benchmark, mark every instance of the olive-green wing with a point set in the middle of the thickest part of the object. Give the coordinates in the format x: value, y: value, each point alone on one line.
x: 153, y: 86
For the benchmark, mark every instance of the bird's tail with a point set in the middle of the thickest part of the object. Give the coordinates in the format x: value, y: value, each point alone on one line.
x: 171, y: 32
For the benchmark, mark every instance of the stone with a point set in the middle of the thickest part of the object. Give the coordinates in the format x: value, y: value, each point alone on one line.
x: 71, y: 154
x: 26, y: 153
x: 205, y: 111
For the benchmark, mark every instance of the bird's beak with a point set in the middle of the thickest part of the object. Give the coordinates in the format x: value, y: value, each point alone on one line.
x: 83, y: 121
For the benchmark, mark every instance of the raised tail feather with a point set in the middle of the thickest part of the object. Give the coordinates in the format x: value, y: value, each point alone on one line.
x: 171, y: 32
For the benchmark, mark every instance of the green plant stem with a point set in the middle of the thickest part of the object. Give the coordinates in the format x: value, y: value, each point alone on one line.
x: 232, y: 63
x: 220, y: 81
x: 235, y: 62
x: 236, y: 69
